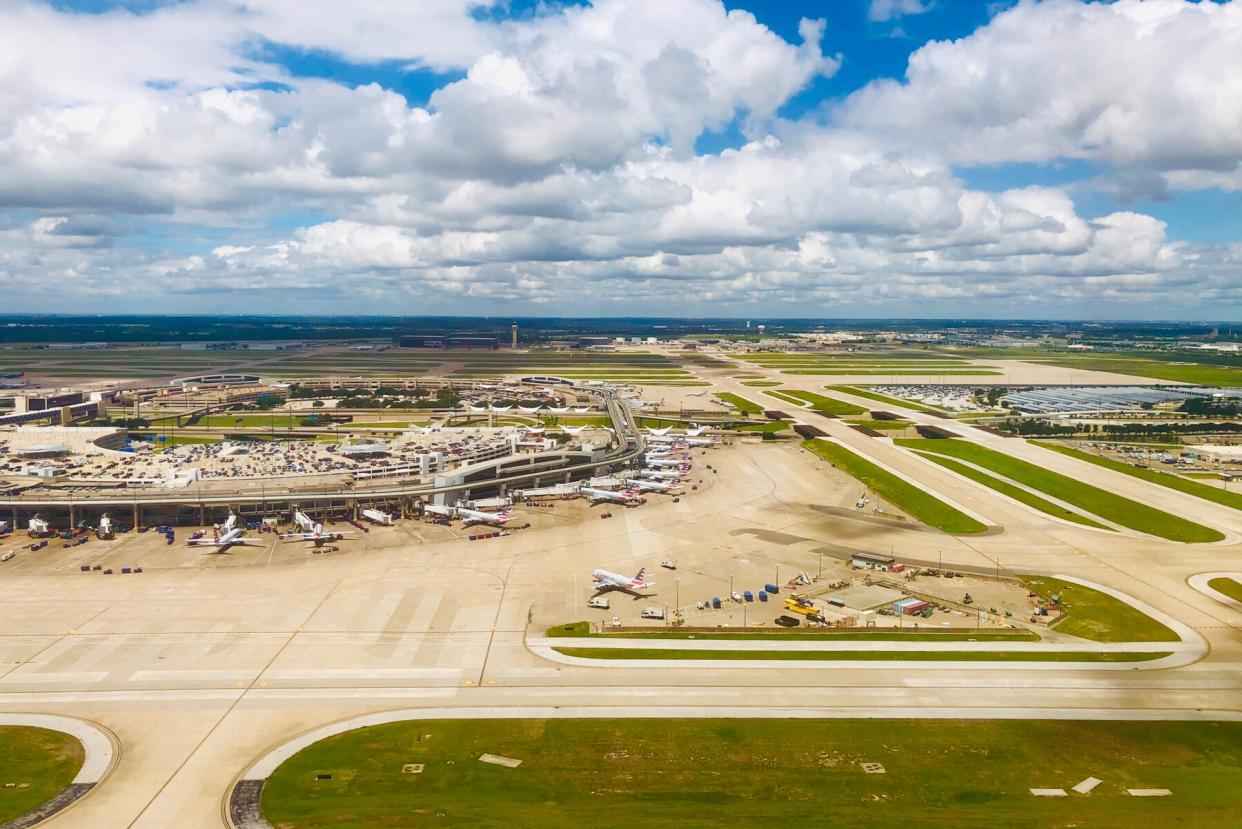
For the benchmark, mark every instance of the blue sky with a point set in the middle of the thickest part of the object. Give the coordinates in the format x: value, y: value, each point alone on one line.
x: 1048, y: 158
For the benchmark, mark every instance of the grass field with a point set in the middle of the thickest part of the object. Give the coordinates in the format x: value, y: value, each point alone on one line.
x: 692, y: 774
x: 1098, y: 616
x: 583, y: 629
x: 1206, y: 370
x: 883, y: 398
x: 821, y: 403
x: 771, y: 426
x: 1209, y: 493
x: 901, y: 494
x: 855, y: 656
x: 1230, y: 587
x: 1090, y: 499
x: 46, y: 761
x: 1017, y: 493
x: 743, y: 405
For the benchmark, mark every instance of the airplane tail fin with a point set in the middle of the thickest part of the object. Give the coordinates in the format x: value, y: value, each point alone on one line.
x: 642, y: 576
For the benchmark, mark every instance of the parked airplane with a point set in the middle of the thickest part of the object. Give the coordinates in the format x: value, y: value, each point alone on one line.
x: 606, y: 580
x: 626, y: 497
x: 659, y: 475
x: 317, y: 536
x: 474, y: 516
x: 223, y: 540
x: 652, y: 486
x: 668, y: 463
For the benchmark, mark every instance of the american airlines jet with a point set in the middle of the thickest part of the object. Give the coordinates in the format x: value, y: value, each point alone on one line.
x: 607, y: 580
x: 625, y: 497
x: 317, y: 536
x: 474, y: 516
x: 653, y: 486
x: 223, y: 540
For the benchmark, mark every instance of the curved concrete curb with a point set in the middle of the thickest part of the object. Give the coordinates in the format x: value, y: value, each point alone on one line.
x: 1199, y: 582
x: 241, y: 802
x: 1191, y: 648
x: 100, y: 752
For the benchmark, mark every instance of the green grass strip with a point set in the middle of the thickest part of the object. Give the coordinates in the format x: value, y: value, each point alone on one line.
x: 858, y: 656
x: 741, y: 403
x: 580, y: 630
x: 1015, y: 492
x: 1230, y: 587
x: 1088, y: 498
x: 883, y: 398
x: 905, y: 496
x: 1098, y: 616
x: 820, y: 403
x: 42, y: 762
x: 1155, y: 476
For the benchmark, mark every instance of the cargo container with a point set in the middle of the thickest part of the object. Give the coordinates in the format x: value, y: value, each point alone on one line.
x: 748, y: 596
x: 910, y: 606
x: 763, y: 596
x: 716, y: 602
x: 771, y: 589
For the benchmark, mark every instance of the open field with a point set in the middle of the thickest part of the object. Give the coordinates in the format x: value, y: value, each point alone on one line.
x: 1199, y: 369
x: 771, y: 426
x: 1230, y: 587
x: 901, y: 494
x: 687, y: 773
x: 741, y: 403
x: 883, y: 398
x: 1210, y: 493
x: 1093, y: 500
x: 40, y: 762
x: 819, y: 402
x: 1015, y: 492
x: 1097, y: 616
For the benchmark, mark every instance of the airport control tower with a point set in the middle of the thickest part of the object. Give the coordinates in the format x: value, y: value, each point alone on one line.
x: 513, y: 330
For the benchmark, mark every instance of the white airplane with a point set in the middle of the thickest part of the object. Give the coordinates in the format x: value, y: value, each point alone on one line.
x: 668, y: 463
x: 652, y: 486
x: 606, y: 580
x: 658, y: 475
x: 317, y: 536
x: 626, y: 497
x: 474, y: 516
x: 224, y: 540
x: 699, y: 442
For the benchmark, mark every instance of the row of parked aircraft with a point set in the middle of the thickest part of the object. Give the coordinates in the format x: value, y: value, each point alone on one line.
x: 229, y: 534
x: 469, y: 517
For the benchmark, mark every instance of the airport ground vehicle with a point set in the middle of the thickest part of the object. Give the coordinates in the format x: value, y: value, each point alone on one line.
x: 653, y: 613
x: 598, y: 602
x: 787, y: 621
